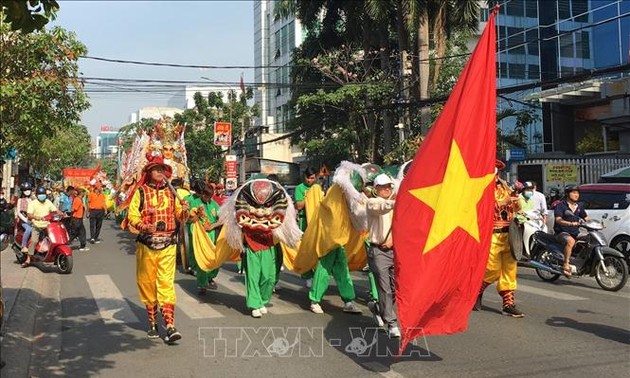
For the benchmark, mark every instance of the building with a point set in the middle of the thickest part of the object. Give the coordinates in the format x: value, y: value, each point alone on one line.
x: 552, y: 41
x: 274, y: 40
x: 106, y: 142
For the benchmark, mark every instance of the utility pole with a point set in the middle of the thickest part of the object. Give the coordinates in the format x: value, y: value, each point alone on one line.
x: 405, y: 74
x: 244, y: 158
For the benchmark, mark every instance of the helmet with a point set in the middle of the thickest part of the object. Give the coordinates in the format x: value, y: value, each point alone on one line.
x: 40, y: 190
x: 3, y: 203
x: 528, y: 185
x: 26, y: 186
x: 571, y: 188
x: 371, y: 171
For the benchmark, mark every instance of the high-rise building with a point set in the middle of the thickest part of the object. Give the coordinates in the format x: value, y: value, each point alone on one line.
x: 275, y: 38
x: 552, y: 41
x: 106, y: 142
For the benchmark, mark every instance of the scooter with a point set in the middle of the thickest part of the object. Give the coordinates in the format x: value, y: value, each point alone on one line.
x: 591, y: 256
x: 6, y: 228
x: 52, y: 248
x: 532, y: 224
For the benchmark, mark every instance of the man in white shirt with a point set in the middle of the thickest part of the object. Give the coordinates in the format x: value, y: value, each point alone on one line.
x: 540, y: 202
x: 381, y: 253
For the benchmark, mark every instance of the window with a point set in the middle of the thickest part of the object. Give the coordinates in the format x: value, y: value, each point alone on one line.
x: 582, y: 45
x: 515, y: 8
x: 503, y: 70
x: 515, y: 37
x: 564, y: 9
x: 566, y: 71
x: 278, y: 45
x: 605, y: 200
x: 566, y: 45
x: 517, y: 71
x: 533, y: 72
x: 578, y: 8
x: 531, y: 9
x: 291, y: 44
x: 484, y: 14
x: 532, y: 39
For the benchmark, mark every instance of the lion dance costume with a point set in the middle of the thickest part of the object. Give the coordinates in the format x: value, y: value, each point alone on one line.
x: 502, y: 266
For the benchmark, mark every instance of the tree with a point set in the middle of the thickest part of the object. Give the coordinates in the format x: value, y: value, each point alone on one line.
x: 69, y: 147
x: 28, y: 16
x: 40, y: 90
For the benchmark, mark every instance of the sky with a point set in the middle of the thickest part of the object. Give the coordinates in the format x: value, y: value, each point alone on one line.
x: 182, y: 32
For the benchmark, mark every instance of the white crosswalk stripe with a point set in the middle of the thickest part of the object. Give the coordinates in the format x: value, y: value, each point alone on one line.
x: 549, y: 293
x: 110, y: 302
x: 193, y: 307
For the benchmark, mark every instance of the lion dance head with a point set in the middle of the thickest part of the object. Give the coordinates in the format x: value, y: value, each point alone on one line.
x: 262, y: 213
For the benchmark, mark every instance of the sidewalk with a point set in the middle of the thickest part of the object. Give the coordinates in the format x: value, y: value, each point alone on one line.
x: 32, y: 321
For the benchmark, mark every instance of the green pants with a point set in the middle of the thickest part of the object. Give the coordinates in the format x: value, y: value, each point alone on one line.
x: 202, y: 276
x: 335, y: 264
x: 260, y: 277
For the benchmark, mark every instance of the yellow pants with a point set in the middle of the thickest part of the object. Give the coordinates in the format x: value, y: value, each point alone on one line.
x: 155, y: 274
x: 501, y: 265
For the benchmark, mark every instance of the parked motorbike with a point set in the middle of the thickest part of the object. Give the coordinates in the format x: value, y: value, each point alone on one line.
x: 591, y: 256
x: 52, y: 248
x: 6, y: 228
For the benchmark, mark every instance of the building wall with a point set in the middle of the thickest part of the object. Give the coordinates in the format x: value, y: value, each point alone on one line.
x: 274, y: 41
x: 184, y: 98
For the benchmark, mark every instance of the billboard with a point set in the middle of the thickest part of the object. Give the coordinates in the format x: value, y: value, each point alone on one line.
x: 222, y: 134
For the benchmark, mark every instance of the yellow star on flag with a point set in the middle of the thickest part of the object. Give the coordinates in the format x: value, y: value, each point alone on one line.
x: 454, y: 200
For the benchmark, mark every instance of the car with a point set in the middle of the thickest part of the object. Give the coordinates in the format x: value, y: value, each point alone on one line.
x: 610, y: 204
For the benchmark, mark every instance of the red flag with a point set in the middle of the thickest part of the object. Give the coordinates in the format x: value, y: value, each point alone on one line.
x: 443, y: 215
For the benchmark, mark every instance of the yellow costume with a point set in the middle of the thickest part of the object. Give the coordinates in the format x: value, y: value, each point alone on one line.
x: 156, y: 251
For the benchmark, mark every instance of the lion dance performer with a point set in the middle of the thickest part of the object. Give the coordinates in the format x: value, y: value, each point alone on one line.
x: 259, y: 215
x: 153, y: 212
x: 501, y: 265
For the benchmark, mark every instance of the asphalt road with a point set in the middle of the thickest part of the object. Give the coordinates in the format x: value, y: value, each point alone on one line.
x: 92, y: 323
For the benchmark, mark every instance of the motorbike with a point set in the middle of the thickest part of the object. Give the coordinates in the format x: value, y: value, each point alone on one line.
x: 52, y: 248
x: 534, y: 222
x: 6, y: 228
x: 591, y: 256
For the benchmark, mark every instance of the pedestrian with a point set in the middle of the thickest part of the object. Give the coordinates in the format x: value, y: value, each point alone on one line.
x: 381, y: 253
x: 96, y: 211
x: 154, y: 211
x: 21, y: 214
x: 502, y: 266
x: 299, y: 195
x: 76, y: 220
x: 205, y: 210
x: 540, y: 201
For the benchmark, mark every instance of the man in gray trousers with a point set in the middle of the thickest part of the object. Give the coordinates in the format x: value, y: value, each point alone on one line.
x: 381, y: 253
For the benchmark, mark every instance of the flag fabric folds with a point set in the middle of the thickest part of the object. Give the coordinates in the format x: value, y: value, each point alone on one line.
x: 443, y: 215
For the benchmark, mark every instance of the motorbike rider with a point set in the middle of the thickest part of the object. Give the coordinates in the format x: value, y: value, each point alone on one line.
x: 36, y: 212
x: 20, y: 213
x: 567, y: 216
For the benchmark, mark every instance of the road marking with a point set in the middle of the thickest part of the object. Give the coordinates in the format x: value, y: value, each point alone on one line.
x: 111, y: 304
x: 549, y: 293
x: 193, y: 307
x: 277, y: 306
x: 382, y: 370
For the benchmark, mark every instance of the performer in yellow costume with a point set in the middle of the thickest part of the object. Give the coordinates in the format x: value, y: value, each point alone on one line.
x: 501, y: 265
x: 153, y: 212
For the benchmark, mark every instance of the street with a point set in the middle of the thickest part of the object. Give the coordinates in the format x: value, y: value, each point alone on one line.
x: 92, y: 323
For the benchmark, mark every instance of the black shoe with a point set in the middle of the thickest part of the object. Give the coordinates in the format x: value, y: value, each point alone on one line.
x: 92, y: 241
x: 153, y: 332
x: 212, y: 285
x: 172, y: 335
x: 511, y: 310
x: 477, y: 306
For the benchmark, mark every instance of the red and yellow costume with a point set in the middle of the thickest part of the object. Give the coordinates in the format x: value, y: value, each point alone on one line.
x: 502, y: 266
x: 154, y: 204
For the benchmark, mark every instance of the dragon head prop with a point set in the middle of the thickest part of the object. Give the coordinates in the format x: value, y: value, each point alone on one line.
x: 352, y: 179
x: 260, y: 211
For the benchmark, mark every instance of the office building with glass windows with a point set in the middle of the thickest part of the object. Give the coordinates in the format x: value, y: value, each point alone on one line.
x: 578, y: 50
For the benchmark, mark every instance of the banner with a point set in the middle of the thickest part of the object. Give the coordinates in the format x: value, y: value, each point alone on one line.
x: 222, y: 134
x: 562, y: 172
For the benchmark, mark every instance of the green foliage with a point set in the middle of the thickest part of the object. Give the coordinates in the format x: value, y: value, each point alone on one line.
x: 594, y: 142
x: 69, y: 147
x: 28, y: 16
x: 40, y: 91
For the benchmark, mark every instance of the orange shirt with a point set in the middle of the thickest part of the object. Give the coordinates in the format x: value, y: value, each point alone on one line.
x: 96, y: 201
x: 78, y: 210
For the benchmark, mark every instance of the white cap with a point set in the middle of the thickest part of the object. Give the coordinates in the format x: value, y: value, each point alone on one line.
x: 383, y: 179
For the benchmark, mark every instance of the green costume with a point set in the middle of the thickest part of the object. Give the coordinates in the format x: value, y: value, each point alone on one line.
x: 211, y: 210
x: 335, y: 264
x: 260, y: 276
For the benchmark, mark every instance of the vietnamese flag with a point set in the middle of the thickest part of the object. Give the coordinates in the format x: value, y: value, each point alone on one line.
x: 443, y: 214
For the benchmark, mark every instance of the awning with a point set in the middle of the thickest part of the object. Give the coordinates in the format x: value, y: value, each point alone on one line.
x: 618, y: 175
